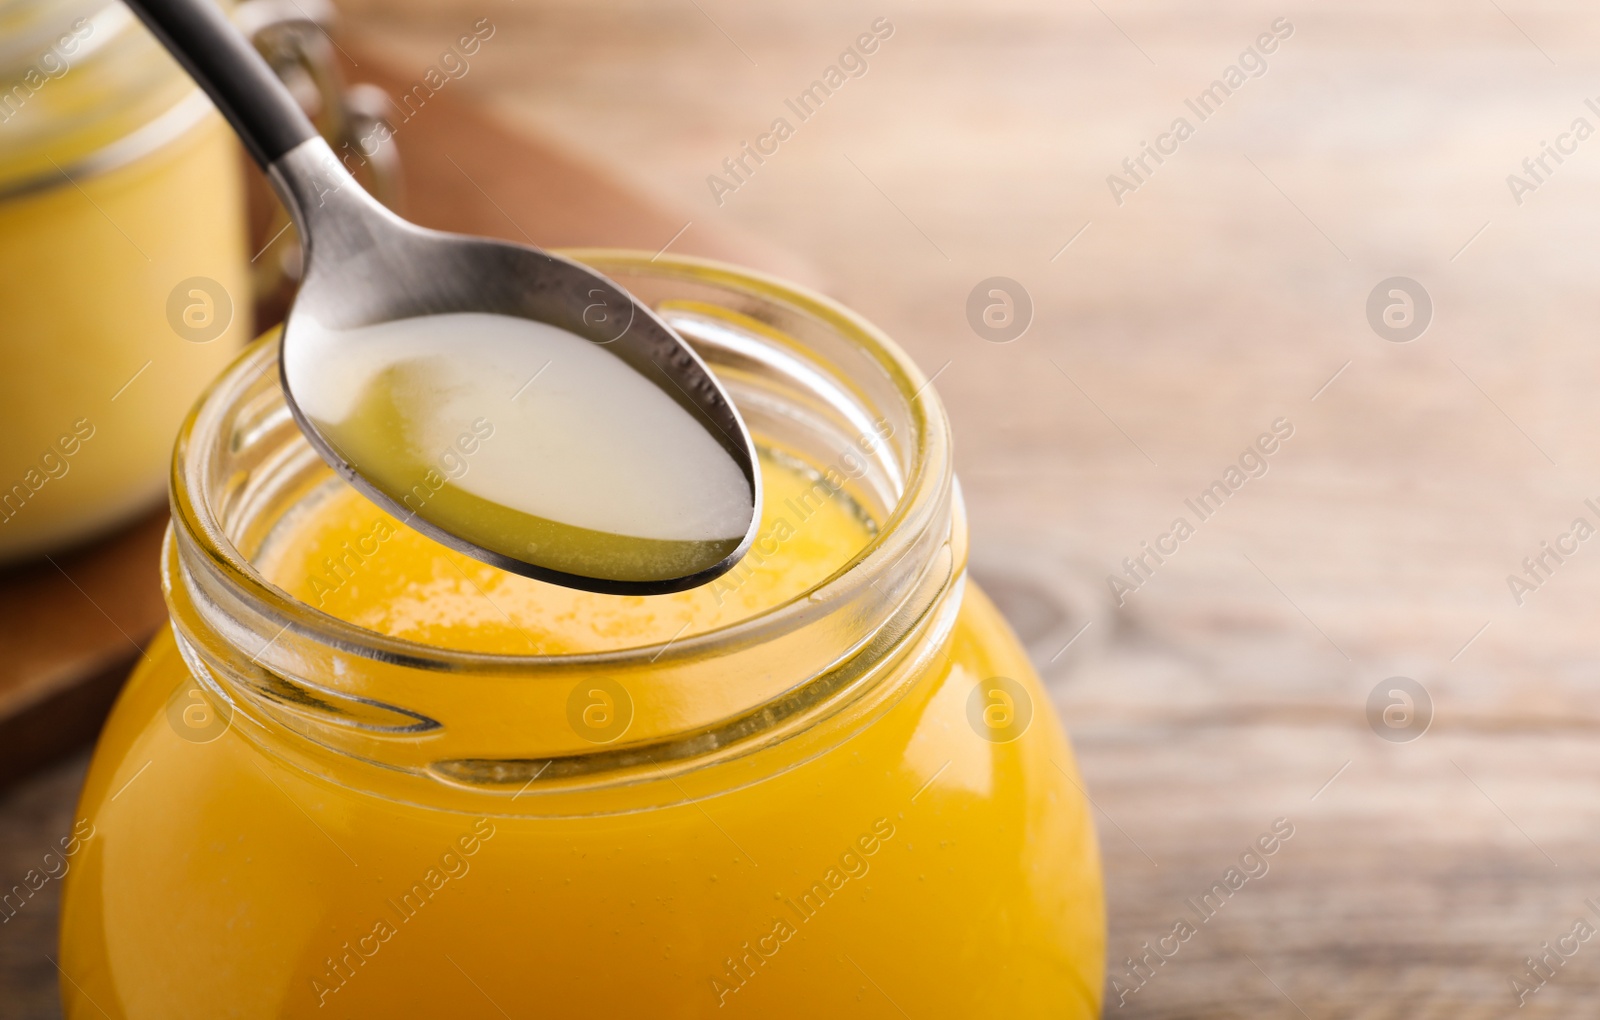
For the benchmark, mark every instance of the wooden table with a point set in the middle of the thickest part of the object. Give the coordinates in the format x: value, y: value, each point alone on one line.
x: 1227, y: 291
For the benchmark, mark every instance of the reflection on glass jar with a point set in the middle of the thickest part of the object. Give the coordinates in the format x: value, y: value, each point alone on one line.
x: 364, y: 772
x: 122, y: 266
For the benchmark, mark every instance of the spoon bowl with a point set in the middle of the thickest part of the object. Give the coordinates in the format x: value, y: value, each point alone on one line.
x: 367, y: 267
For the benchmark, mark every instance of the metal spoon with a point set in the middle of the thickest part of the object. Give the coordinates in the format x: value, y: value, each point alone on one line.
x: 365, y: 267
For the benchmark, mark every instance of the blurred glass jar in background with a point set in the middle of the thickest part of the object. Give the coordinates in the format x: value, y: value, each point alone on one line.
x: 123, y: 286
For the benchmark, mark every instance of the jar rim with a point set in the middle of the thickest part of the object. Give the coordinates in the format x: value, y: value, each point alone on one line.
x: 925, y: 496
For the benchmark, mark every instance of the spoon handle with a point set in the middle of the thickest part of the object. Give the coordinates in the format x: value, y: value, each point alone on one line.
x: 232, y: 73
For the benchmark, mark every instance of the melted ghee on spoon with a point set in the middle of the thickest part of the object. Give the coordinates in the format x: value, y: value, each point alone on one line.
x: 528, y: 441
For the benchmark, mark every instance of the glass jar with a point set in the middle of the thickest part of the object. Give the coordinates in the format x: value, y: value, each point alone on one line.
x: 854, y: 802
x: 122, y: 266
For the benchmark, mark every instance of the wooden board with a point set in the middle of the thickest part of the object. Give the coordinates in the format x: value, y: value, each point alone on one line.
x: 70, y: 629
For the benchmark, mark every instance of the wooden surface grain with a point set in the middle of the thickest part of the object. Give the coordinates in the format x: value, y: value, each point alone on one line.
x: 1223, y: 294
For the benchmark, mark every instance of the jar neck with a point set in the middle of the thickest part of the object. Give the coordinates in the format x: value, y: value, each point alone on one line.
x: 424, y: 722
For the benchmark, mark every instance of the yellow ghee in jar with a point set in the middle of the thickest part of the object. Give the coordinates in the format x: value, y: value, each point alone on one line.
x: 123, y: 277
x: 914, y: 866
x: 352, y: 560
